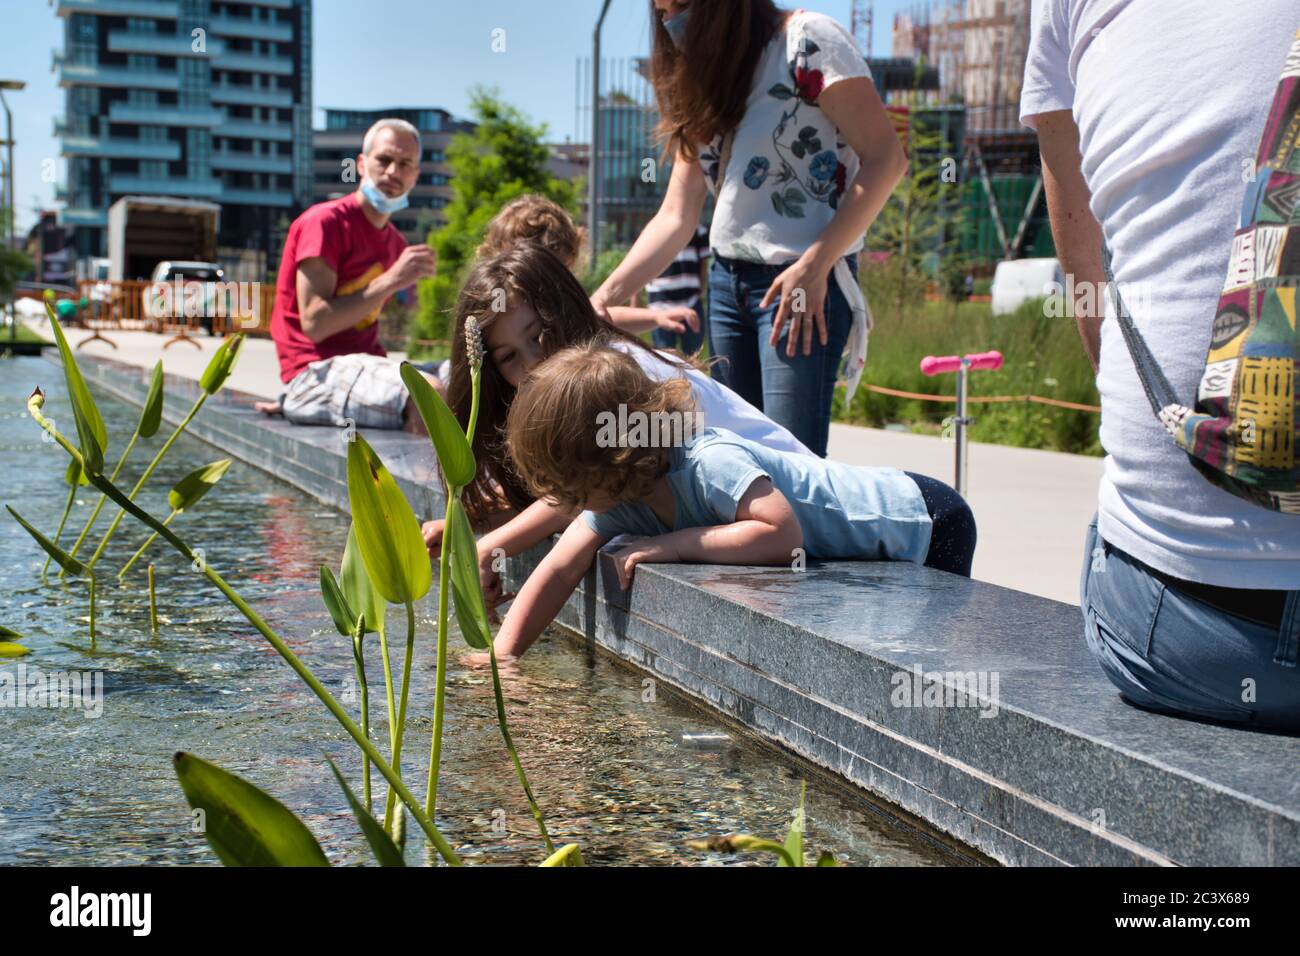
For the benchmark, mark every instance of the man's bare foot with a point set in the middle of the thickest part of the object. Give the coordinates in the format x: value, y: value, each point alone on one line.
x: 267, y: 408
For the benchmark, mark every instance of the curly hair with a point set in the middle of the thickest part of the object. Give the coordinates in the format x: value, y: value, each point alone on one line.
x: 565, y: 431
x: 534, y: 218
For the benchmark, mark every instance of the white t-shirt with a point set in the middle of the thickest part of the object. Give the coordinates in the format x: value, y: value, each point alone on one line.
x: 787, y: 168
x: 1170, y: 100
x: 722, y: 407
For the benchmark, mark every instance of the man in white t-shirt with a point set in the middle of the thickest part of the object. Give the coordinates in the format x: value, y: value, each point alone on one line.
x: 1148, y: 116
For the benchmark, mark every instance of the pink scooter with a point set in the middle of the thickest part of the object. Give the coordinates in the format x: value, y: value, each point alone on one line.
x: 961, y: 364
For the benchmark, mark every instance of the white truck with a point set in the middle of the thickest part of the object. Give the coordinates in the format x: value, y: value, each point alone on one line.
x: 146, y: 230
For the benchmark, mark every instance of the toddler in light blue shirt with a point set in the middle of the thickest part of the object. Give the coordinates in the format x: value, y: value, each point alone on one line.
x: 589, y: 431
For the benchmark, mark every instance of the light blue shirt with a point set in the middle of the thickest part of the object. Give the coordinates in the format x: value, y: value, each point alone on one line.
x: 845, y: 511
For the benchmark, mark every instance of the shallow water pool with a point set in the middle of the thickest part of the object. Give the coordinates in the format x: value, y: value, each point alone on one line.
x: 609, y: 765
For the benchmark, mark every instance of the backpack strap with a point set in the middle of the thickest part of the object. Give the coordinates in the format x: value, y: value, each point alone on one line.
x: 1159, y: 392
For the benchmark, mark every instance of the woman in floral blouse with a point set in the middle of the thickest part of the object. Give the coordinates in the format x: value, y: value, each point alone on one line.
x: 774, y: 112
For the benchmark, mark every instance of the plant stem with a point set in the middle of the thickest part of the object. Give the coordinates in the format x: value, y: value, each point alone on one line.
x: 359, y: 658
x: 473, y: 405
x: 67, y: 508
x: 94, y: 515
x: 392, y: 717
x: 440, y: 843
x: 198, y: 403
x: 440, y: 685
x: 406, y: 688
x: 514, y: 755
x: 144, y: 547
x: 153, y: 604
x: 92, y: 611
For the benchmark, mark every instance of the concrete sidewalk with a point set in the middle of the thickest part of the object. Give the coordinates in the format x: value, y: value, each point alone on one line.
x: 1032, y: 507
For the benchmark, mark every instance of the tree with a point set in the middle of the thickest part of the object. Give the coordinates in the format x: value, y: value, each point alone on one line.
x: 14, y: 264
x: 504, y: 158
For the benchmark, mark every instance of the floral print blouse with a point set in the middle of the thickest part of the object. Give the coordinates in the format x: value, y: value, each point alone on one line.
x: 788, y: 168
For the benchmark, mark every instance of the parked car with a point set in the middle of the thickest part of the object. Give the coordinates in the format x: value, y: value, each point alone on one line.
x: 159, y: 303
x: 1018, y: 281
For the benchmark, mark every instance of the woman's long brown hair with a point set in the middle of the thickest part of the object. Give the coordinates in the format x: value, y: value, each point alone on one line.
x: 702, y: 89
x: 527, y: 273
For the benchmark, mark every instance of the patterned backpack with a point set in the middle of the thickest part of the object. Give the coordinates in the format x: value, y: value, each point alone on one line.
x: 1243, y: 432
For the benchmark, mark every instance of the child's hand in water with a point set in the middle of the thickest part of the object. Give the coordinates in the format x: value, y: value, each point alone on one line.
x: 656, y: 550
x: 432, y: 531
x: 494, y: 592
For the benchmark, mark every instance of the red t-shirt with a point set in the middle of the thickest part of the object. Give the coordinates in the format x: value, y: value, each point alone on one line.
x: 338, y: 232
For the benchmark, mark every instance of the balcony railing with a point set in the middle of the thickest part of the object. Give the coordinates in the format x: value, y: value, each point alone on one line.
x: 164, y: 115
x: 254, y: 129
x: 251, y: 29
x: 155, y: 9
x: 91, y: 74
x: 254, y: 63
x: 251, y: 162
x: 121, y: 148
x: 250, y: 95
x: 281, y: 198
x: 124, y: 183
x: 161, y: 44
x: 83, y: 217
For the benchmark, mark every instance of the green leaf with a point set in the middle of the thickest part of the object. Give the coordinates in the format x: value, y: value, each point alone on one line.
x: 244, y: 825
x: 222, y: 364
x: 151, y: 415
x: 61, y: 557
x: 781, y: 91
x: 827, y: 858
x: 388, y: 534
x: 794, y: 197
x: 74, y: 475
x: 778, y: 204
x: 357, y: 588
x: 471, y: 613
x: 187, y: 492
x: 567, y: 855
x: 92, y: 436
x: 345, y: 622
x: 386, y: 852
x: 454, y: 454
x: 7, y: 632
x: 794, y: 838
x: 8, y: 649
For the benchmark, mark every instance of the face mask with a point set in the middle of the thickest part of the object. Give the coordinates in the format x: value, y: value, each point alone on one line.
x: 381, y: 203
x: 676, y: 27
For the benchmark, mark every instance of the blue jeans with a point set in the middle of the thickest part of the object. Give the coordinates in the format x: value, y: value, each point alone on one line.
x: 690, y: 342
x: 792, y: 391
x: 1169, y: 652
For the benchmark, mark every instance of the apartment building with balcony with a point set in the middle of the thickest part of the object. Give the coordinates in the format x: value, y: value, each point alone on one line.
x: 335, y: 149
x: 198, y: 99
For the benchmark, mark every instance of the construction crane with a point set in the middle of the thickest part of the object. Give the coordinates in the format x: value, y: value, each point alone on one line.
x: 863, y: 19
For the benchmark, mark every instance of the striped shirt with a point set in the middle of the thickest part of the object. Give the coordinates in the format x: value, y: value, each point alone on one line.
x: 680, y: 283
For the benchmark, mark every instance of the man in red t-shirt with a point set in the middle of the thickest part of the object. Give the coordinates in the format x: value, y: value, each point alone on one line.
x: 342, y: 261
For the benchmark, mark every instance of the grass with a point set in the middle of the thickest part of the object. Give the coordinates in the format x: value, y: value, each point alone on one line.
x: 1043, y: 356
x: 24, y: 335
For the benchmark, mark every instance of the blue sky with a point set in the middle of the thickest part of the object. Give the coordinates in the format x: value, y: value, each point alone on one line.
x: 375, y: 53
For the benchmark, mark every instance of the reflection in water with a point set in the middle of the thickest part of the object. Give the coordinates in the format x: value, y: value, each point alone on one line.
x: 607, y: 763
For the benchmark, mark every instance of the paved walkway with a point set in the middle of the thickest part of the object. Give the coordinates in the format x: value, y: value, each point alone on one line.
x: 1032, y: 507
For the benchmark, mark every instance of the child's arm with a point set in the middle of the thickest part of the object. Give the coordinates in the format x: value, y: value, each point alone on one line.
x: 535, y: 523
x: 765, y: 532
x: 636, y: 321
x: 546, y: 589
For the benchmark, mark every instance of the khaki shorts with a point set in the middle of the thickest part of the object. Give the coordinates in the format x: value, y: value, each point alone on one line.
x: 360, y: 389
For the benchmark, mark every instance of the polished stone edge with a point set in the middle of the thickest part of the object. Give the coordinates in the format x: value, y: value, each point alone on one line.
x: 1014, y: 823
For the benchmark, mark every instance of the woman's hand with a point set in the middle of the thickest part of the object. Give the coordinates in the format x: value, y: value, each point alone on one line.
x: 656, y: 550
x: 677, y: 319
x: 802, y: 291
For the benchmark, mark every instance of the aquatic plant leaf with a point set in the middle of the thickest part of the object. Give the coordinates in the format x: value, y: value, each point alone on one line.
x: 794, y: 838
x: 61, y: 557
x: 567, y: 855
x: 9, y: 649
x: 386, y: 852
x: 358, y: 590
x: 471, y: 614
x: 244, y: 825
x: 151, y: 414
x: 7, y: 632
x: 221, y: 365
x: 388, y: 533
x: 827, y: 858
x: 187, y: 492
x: 454, y: 454
x: 345, y: 622
x: 92, y: 436
x: 74, y: 475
